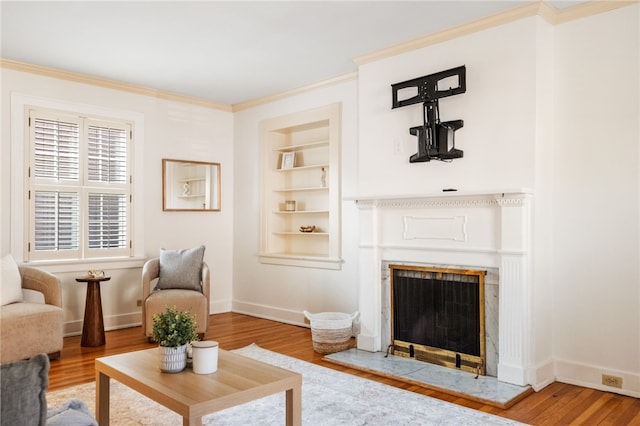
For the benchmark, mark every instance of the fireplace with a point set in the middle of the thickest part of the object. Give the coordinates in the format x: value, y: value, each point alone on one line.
x: 437, y: 316
x: 489, y: 231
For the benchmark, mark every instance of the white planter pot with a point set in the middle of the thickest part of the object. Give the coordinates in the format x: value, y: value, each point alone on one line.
x: 173, y: 360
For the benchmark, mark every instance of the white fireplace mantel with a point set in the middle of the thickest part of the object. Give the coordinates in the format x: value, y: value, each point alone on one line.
x: 490, y: 229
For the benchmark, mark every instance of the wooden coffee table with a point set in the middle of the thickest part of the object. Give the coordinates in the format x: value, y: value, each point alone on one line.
x: 238, y: 380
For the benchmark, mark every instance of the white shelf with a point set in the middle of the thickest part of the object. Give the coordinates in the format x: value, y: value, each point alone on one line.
x: 191, y: 196
x: 310, y: 188
x: 304, y: 234
x: 313, y: 166
x: 310, y: 145
x: 301, y: 211
x: 301, y: 259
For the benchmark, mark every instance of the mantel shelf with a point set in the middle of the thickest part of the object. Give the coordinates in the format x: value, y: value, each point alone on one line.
x: 511, y: 192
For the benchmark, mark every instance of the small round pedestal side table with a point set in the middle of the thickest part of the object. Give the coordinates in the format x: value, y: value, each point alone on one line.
x: 93, y: 326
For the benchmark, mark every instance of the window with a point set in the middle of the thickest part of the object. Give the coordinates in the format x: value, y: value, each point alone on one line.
x: 79, y: 179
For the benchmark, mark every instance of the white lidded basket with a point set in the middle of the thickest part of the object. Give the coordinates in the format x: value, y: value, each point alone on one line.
x: 331, y: 331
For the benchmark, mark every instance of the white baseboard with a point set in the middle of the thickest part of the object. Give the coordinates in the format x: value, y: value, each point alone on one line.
x: 590, y: 376
x: 286, y: 316
x: 132, y: 319
x: 220, y: 306
x: 111, y: 322
x: 542, y: 375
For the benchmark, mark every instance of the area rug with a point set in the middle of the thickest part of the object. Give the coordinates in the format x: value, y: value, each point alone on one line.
x: 329, y: 397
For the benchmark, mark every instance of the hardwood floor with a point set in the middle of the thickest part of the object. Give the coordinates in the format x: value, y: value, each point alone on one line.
x: 557, y: 404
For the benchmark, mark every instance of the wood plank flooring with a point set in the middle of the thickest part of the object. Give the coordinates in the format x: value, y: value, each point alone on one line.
x: 557, y: 404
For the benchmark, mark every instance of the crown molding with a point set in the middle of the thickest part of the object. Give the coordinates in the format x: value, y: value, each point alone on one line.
x: 471, y: 27
x: 560, y: 16
x: 271, y: 98
x: 536, y: 8
x: 108, y: 84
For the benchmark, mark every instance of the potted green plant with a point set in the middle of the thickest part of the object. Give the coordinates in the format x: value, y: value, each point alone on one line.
x: 173, y: 330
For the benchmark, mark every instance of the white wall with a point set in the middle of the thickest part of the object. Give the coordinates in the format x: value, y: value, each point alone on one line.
x: 596, y: 278
x: 497, y: 109
x: 169, y: 130
x: 282, y: 292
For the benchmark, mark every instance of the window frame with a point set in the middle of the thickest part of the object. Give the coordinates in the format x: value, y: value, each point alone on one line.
x: 83, y: 186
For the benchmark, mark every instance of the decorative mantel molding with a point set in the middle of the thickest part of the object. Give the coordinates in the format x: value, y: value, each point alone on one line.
x: 444, y: 199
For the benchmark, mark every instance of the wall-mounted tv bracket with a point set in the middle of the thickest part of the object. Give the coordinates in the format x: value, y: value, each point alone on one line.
x: 435, y: 139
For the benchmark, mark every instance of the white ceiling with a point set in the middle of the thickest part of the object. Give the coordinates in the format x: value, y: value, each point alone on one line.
x: 222, y: 51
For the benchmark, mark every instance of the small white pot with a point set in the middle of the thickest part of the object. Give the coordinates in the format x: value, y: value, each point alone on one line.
x: 173, y: 360
x: 205, y: 357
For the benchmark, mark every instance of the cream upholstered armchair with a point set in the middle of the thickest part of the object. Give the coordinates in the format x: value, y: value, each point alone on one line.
x: 31, y: 315
x: 177, y: 278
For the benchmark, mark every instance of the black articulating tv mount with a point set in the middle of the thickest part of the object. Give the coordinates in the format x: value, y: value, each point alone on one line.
x: 435, y: 138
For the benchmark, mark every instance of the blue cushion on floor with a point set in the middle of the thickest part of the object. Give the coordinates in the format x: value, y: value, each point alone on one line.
x: 72, y: 413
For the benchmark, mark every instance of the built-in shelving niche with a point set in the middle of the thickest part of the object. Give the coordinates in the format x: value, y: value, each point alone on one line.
x: 300, y: 159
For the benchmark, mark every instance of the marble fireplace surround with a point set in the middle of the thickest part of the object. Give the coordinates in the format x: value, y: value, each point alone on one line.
x: 489, y: 230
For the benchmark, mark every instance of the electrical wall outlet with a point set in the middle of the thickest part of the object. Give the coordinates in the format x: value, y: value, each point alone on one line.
x: 613, y: 381
x: 397, y: 147
x: 139, y: 303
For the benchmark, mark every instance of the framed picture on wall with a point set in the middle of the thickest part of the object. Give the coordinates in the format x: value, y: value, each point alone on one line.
x: 288, y: 160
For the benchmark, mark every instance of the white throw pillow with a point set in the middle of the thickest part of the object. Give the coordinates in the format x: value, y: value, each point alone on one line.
x: 11, y: 283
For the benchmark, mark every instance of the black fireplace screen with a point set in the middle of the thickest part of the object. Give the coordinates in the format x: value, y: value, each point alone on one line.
x: 436, y: 309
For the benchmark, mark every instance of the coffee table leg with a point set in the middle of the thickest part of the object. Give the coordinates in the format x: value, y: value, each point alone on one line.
x: 186, y: 421
x: 294, y: 406
x: 102, y: 399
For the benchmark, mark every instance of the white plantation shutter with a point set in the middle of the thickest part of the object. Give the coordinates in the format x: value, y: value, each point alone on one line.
x: 107, y: 148
x: 57, y: 217
x: 80, y: 187
x: 107, y: 221
x: 56, y: 149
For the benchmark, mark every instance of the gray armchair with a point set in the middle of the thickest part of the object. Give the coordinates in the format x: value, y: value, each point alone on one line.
x: 155, y: 300
x: 23, y: 397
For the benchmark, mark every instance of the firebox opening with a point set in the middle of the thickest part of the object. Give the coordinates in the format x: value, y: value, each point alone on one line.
x: 438, y: 316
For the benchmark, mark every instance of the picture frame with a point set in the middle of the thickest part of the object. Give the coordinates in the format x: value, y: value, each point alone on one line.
x: 288, y: 160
